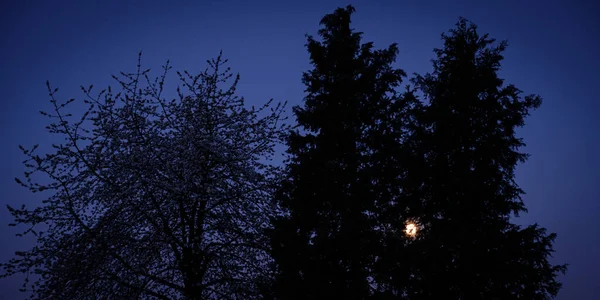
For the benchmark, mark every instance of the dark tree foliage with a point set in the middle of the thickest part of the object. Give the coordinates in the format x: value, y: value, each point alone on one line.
x: 152, y: 198
x: 341, y: 173
x: 468, y: 247
x: 369, y: 160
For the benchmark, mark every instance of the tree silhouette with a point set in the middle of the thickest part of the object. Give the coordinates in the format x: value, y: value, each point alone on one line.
x: 340, y: 173
x: 386, y: 193
x: 153, y: 198
x: 438, y: 158
x: 468, y: 247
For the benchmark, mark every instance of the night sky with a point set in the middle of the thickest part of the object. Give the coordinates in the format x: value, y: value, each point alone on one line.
x: 553, y: 51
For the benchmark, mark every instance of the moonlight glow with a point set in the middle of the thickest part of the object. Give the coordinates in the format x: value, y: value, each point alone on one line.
x: 411, y: 229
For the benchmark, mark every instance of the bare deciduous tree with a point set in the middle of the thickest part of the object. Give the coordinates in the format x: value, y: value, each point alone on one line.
x: 152, y: 198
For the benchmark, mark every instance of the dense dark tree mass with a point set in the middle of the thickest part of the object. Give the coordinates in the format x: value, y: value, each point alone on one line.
x: 341, y: 171
x: 390, y: 190
x: 468, y: 247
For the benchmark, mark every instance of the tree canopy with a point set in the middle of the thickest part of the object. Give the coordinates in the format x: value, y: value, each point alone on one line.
x: 439, y: 157
x: 153, y: 198
x: 339, y: 175
x: 469, y: 247
x: 392, y: 188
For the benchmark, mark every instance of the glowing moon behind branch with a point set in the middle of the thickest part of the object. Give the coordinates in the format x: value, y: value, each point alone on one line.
x: 411, y: 229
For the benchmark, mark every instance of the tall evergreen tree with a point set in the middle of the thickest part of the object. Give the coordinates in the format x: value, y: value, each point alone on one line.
x: 468, y: 246
x: 326, y: 244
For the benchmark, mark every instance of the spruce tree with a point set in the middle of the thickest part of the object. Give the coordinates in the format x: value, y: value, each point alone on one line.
x: 468, y: 246
x: 327, y: 242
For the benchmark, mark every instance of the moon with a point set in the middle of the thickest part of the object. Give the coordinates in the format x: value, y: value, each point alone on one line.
x: 411, y: 229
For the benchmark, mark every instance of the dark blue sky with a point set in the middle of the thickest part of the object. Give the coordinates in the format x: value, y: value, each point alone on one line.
x: 553, y: 51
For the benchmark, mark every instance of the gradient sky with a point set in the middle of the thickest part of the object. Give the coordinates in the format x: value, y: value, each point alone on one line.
x: 553, y: 51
